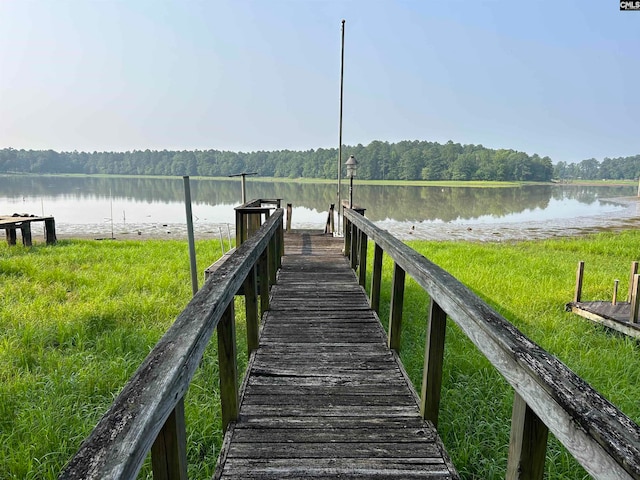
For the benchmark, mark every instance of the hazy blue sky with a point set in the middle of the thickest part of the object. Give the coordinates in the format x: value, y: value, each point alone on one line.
x: 553, y: 77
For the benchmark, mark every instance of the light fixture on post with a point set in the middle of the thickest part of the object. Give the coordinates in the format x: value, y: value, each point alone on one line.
x: 351, y: 173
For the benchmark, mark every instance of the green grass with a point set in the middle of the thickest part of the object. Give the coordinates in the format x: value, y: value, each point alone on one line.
x: 528, y: 283
x: 76, y: 320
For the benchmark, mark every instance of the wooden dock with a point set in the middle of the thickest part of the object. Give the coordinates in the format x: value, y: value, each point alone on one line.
x: 324, y: 397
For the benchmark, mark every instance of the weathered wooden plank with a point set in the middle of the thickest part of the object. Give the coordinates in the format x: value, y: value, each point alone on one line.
x: 340, y: 434
x: 331, y: 398
x: 352, y: 449
x: 333, y: 468
x: 334, y: 411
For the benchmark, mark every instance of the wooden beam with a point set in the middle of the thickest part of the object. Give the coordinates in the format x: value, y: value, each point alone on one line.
x: 362, y: 272
x: 579, y: 277
x: 528, y: 444
x: 376, y: 279
x: 228, y: 367
x: 395, y: 313
x: 251, y: 310
x: 634, y: 270
x: 169, y: 451
x: 433, y: 363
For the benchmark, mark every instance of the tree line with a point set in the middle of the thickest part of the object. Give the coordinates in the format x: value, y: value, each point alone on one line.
x: 620, y: 168
x: 405, y: 160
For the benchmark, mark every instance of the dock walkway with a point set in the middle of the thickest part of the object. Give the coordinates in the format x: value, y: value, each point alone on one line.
x: 324, y: 397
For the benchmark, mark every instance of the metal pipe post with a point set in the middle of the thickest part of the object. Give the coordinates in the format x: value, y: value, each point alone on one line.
x: 192, y: 245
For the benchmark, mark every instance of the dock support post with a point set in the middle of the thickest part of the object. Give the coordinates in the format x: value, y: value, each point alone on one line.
x: 346, y: 231
x: 50, y: 231
x: 11, y: 236
x: 25, y: 228
x: 635, y: 300
x: 289, y: 211
x: 634, y: 270
x: 376, y: 279
x: 528, y: 443
x: 251, y: 308
x: 395, y: 314
x: 263, y: 270
x: 433, y: 362
x: 169, y: 450
x: 362, y: 277
x: 579, y: 276
x: 353, y: 253
x: 228, y: 367
x: 332, y: 224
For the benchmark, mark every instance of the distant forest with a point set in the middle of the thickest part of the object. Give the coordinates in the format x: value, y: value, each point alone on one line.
x: 405, y: 160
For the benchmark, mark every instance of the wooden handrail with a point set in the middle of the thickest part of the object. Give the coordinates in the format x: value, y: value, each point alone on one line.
x: 151, y: 402
x: 547, y: 393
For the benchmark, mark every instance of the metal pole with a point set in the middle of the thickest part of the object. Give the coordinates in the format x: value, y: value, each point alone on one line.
x: 244, y: 189
x: 192, y: 246
x: 340, y: 135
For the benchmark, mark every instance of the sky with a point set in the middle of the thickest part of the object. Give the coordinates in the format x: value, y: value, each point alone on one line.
x: 559, y: 78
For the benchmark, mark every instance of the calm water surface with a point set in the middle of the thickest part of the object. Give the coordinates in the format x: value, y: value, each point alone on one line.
x: 135, y: 207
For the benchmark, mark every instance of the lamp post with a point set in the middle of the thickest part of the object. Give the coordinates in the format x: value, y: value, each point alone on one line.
x: 351, y: 173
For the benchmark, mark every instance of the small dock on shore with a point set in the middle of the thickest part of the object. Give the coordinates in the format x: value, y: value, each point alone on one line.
x: 622, y: 316
x: 22, y: 221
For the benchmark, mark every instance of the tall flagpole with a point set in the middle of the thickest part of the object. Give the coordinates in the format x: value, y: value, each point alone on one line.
x: 340, y: 135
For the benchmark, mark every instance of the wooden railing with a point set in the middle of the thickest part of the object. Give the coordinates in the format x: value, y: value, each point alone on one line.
x: 149, y: 412
x: 547, y: 395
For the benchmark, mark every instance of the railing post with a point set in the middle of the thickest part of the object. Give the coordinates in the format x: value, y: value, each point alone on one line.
x: 433, y: 363
x: 169, y: 450
x: 346, y: 231
x: 281, y: 240
x: 273, y: 251
x: 250, y: 288
x: 332, y: 226
x: 579, y: 276
x: 228, y: 367
x: 635, y: 299
x: 353, y: 253
x: 289, y: 211
x: 376, y: 279
x: 362, y: 277
x: 263, y: 270
x: 395, y: 313
x: 240, y: 228
x: 528, y: 443
x: 634, y: 270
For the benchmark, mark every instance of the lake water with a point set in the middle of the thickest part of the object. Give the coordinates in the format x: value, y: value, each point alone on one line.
x: 143, y: 207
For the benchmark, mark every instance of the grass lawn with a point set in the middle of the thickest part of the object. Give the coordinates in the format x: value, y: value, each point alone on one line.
x: 76, y: 319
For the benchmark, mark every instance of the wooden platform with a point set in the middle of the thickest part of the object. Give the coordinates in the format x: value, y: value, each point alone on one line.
x: 605, y: 313
x: 22, y: 222
x: 324, y: 397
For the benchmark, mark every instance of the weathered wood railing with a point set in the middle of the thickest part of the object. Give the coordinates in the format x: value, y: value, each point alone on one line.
x: 548, y: 396
x: 149, y: 412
